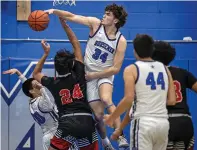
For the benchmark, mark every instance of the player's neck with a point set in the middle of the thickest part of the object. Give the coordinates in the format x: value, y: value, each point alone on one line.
x: 146, y: 59
x: 110, y: 30
x: 35, y: 95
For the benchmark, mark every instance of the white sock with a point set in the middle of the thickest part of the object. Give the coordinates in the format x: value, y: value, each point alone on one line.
x: 105, y: 141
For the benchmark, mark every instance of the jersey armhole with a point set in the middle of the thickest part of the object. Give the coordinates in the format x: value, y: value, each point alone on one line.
x: 166, y: 71
x: 95, y: 32
x: 118, y: 40
x: 138, y: 72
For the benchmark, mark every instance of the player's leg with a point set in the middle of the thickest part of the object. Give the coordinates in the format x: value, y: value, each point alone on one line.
x: 191, y: 144
x: 93, y: 146
x: 59, y: 144
x: 105, y: 93
x: 46, y: 140
x: 186, y: 131
x: 160, y: 133
x: 140, y: 138
x: 97, y: 107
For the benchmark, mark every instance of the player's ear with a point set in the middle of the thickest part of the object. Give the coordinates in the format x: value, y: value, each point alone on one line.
x: 31, y: 91
x: 116, y: 21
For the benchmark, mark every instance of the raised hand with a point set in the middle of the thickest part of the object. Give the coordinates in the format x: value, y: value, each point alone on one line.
x: 11, y: 71
x: 46, y: 46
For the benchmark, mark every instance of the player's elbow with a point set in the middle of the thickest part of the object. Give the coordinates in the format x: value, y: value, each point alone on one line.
x: 129, y: 98
x: 171, y: 102
x: 115, y: 70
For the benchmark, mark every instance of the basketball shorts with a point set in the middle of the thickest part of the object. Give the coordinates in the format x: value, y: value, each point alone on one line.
x: 93, y: 88
x: 148, y: 133
x: 75, y: 132
x: 181, y: 133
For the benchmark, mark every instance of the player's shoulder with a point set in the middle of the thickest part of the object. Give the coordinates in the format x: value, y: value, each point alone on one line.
x: 122, y: 39
x: 177, y: 69
x: 130, y: 68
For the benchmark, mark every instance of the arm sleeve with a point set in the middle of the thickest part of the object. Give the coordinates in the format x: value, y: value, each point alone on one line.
x: 22, y: 78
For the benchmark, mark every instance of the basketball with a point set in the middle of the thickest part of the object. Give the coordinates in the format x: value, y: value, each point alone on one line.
x: 38, y: 20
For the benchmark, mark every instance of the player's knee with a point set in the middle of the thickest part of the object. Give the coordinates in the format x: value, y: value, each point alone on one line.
x: 106, y: 100
x: 99, y: 116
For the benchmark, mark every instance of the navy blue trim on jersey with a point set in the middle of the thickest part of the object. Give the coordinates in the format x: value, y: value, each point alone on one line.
x: 32, y: 100
x: 54, y: 114
x: 95, y: 32
x: 138, y: 72
x: 166, y: 71
x: 147, y: 60
x: 105, y: 82
x: 134, y: 128
x: 94, y: 100
x: 118, y: 41
x: 54, y: 117
x: 107, y: 35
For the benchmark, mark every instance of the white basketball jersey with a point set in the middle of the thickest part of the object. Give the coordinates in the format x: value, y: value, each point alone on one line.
x: 100, y: 50
x: 44, y: 113
x: 151, y: 90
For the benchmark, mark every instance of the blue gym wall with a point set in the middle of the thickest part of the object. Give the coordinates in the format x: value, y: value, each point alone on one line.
x: 162, y: 20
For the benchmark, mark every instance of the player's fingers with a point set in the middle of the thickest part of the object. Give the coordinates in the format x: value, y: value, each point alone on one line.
x: 6, y: 72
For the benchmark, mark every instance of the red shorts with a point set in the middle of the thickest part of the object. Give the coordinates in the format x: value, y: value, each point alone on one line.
x: 61, y: 144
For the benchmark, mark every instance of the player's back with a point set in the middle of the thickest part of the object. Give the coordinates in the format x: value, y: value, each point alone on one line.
x: 46, y: 117
x: 151, y: 90
x: 100, y: 50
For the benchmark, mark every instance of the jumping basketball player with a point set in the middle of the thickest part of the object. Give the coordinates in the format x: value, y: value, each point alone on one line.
x: 103, y: 59
x: 181, y: 133
x: 152, y: 83
x: 76, y: 125
x: 42, y: 109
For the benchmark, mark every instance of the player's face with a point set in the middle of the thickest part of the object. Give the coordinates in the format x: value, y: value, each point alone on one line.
x: 36, y: 88
x: 108, y: 19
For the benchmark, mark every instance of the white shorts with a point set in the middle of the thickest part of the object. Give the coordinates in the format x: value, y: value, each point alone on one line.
x: 149, y: 133
x: 93, y: 88
x: 46, y: 139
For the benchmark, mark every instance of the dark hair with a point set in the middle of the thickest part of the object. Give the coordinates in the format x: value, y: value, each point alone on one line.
x: 143, y: 45
x: 63, y: 61
x: 119, y: 12
x: 163, y: 52
x: 27, y: 86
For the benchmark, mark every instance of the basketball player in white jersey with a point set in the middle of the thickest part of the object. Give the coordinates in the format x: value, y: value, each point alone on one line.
x: 103, y: 59
x: 151, y: 82
x: 42, y: 109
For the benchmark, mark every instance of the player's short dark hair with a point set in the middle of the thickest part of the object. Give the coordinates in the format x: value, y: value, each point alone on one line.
x: 143, y: 45
x: 63, y: 61
x: 27, y: 86
x: 163, y: 52
x: 119, y: 12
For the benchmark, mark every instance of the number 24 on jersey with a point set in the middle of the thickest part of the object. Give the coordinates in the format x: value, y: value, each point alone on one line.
x: 66, y: 96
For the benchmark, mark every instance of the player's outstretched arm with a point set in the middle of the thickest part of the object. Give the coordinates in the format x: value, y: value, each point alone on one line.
x: 73, y: 40
x: 88, y: 21
x: 117, y: 62
x: 16, y: 71
x: 118, y: 131
x: 191, y: 81
x: 37, y: 75
x: 171, y: 99
x: 130, y: 75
